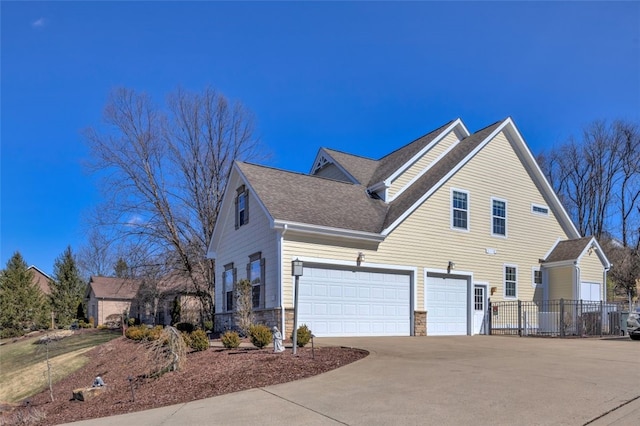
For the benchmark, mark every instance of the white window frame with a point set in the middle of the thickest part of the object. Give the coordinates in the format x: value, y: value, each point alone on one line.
x: 504, y: 281
x: 468, y: 210
x: 539, y: 206
x: 500, y: 200
x: 534, y: 284
x: 227, y: 286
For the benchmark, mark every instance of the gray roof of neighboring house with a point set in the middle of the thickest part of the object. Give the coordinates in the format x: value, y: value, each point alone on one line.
x: 568, y: 250
x: 315, y: 200
x: 114, y: 288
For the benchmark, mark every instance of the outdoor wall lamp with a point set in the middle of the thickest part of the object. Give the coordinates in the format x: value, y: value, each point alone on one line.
x: 360, y: 258
x: 450, y: 266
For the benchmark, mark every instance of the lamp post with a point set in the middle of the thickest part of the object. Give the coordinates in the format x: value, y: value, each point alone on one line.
x: 296, y: 271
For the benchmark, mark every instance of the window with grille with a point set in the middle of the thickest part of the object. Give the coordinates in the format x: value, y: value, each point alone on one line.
x: 499, y: 217
x: 460, y: 210
x: 510, y: 281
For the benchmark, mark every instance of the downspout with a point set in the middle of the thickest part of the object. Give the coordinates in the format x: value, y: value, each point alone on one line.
x: 577, y: 283
x: 280, y: 278
x: 604, y: 283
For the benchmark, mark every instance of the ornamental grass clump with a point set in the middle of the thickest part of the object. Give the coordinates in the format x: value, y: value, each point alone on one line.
x: 230, y: 340
x: 260, y: 335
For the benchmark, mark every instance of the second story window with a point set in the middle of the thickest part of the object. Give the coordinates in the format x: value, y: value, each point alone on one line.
x: 242, y: 206
x: 459, y: 210
x: 499, y: 217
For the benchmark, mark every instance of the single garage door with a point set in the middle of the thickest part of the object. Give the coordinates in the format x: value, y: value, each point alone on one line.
x: 335, y: 302
x: 446, y: 303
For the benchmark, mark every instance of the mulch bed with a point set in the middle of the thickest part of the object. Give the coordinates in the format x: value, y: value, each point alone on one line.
x: 213, y: 372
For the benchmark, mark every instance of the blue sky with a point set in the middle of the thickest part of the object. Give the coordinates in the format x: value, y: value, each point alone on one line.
x: 360, y: 77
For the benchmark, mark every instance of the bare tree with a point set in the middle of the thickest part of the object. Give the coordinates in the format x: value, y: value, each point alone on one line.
x: 165, y: 171
x: 629, y: 195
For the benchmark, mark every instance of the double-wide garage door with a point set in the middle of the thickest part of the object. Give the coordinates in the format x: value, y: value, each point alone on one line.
x: 336, y: 302
x: 446, y: 300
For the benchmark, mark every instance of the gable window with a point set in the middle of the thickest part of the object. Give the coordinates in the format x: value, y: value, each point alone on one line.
x: 498, y: 217
x: 539, y: 210
x: 228, y: 279
x: 459, y: 210
x: 255, y: 274
x: 242, y: 206
x: 536, y: 276
x: 510, y: 282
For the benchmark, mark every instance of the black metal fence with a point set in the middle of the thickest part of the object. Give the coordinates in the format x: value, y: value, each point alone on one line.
x: 556, y: 318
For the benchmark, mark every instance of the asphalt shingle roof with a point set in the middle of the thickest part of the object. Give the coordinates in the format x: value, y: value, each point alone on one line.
x: 114, y: 288
x: 361, y: 168
x: 315, y: 200
x: 568, y: 249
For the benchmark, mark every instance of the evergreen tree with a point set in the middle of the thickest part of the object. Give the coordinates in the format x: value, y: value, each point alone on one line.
x: 121, y: 269
x: 67, y: 288
x: 22, y: 303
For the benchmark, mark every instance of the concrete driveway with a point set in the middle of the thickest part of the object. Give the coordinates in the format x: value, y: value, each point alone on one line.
x: 439, y: 381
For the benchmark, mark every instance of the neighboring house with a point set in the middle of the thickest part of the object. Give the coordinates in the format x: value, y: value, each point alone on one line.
x: 108, y: 296
x: 150, y: 304
x: 411, y: 244
x: 41, y: 280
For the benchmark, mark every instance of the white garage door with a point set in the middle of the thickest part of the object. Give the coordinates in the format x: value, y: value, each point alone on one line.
x: 335, y: 303
x: 446, y: 302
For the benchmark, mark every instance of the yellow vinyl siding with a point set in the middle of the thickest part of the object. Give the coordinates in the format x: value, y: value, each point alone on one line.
x: 426, y: 240
x: 427, y: 160
x: 591, y: 270
x: 561, y: 283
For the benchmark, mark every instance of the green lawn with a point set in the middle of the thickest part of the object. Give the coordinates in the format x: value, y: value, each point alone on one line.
x: 23, y: 363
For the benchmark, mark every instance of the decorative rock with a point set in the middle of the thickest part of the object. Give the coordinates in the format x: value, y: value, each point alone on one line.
x: 85, y: 394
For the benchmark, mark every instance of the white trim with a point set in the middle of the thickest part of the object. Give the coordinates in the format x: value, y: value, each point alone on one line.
x: 539, y: 206
x: 485, y: 286
x: 530, y: 160
x: 452, y: 227
x: 458, y: 122
x: 506, y: 217
x: 504, y: 280
x: 445, y: 178
x: 422, y: 172
x: 328, y: 231
x: 535, y: 269
x: 322, y: 153
x: 514, y: 137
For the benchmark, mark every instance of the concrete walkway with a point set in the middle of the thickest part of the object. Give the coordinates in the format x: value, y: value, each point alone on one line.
x: 439, y: 381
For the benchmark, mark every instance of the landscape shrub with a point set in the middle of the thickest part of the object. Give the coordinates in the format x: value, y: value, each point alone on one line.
x: 186, y: 327
x: 208, y: 325
x: 199, y: 341
x: 113, y: 321
x: 230, y: 340
x: 304, y: 336
x: 136, y: 332
x: 7, y: 333
x: 143, y: 332
x: 260, y: 335
x: 92, y: 322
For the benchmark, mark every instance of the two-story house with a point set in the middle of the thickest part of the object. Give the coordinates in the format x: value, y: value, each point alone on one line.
x: 411, y: 244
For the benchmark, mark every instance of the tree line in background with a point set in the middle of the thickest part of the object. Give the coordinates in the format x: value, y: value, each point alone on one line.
x: 597, y: 177
x: 25, y: 307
